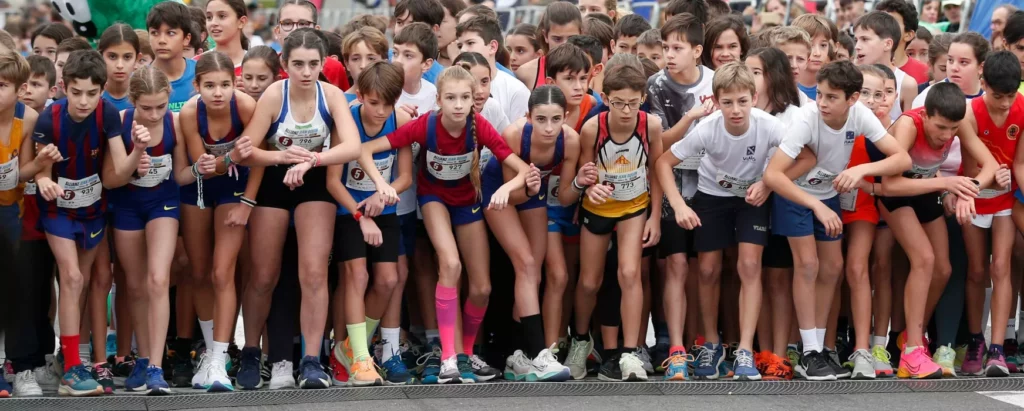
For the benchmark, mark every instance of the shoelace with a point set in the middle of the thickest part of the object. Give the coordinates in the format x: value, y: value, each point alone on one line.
x: 478, y: 363
x: 80, y: 374
x: 677, y: 360
x: 862, y: 354
x: 28, y: 377
x: 631, y: 361
x: 705, y: 356
x: 972, y: 350
x: 253, y: 362
x: 744, y: 358
x: 882, y: 355
x: 104, y: 373
x: 426, y: 357
x: 644, y: 355
x: 311, y: 367
x: 153, y: 373
x: 578, y: 353
x: 282, y: 367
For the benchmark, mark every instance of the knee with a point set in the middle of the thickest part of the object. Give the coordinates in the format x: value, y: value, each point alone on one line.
x: 523, y: 260
x: 881, y: 266
x: 262, y: 283
x: 943, y: 270
x: 676, y: 267
x: 385, y: 281
x: 100, y: 282
x: 629, y: 276
x: 710, y: 273
x: 591, y: 285
x: 356, y: 276
x: 556, y: 280
x: 223, y: 277
x: 748, y: 269
x: 925, y: 263
x: 857, y: 273
x: 158, y: 283
x: 312, y: 276
x: 481, y: 291
x: 449, y: 268
x: 805, y: 266
x: 73, y: 280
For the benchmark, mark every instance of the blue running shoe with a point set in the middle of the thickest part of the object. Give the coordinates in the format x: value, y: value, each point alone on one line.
x: 676, y: 366
x: 395, y: 372
x: 78, y: 382
x: 430, y: 364
x: 709, y: 359
x: 136, y: 381
x: 311, y: 374
x: 155, y: 381
x: 466, y: 373
x: 249, y: 377
x: 111, y: 344
x: 743, y: 368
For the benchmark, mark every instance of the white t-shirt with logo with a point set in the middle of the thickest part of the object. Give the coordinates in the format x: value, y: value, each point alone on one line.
x: 832, y: 147
x: 731, y: 164
x: 425, y: 101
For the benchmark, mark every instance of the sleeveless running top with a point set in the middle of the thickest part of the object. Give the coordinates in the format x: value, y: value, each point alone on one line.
x: 926, y: 160
x: 313, y: 135
x: 221, y: 146
x: 542, y: 76
x: 158, y: 183
x: 494, y: 178
x: 10, y: 189
x: 622, y: 166
x: 585, y: 106
x: 355, y: 179
x: 1001, y: 141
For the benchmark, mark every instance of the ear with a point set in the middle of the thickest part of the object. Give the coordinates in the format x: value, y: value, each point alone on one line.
x: 359, y: 96
x: 613, y: 44
x: 604, y: 97
x: 699, y: 50
x: 427, y: 64
x: 597, y: 70
x: 909, y: 37
x: 854, y: 98
x: 549, y: 80
x: 890, y: 44
x: 493, y: 47
x: 53, y: 92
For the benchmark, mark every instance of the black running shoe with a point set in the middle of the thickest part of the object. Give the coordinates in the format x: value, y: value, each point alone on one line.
x: 610, y: 370
x: 124, y: 368
x: 183, y: 372
x: 814, y: 366
x: 833, y: 361
x: 265, y: 371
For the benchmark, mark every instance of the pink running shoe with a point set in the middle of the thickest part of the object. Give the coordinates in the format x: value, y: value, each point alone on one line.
x: 975, y: 358
x: 996, y: 365
x: 918, y: 365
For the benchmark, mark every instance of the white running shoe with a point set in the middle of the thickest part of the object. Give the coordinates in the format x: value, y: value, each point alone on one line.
x: 200, y: 380
x: 577, y: 360
x: 547, y: 368
x: 863, y: 365
x: 281, y: 376
x: 217, y: 379
x: 25, y: 385
x: 632, y: 367
x: 449, y: 371
x: 518, y: 367
x: 45, y: 377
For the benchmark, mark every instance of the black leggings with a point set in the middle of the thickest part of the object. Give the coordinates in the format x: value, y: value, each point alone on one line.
x: 29, y: 334
x: 282, y: 323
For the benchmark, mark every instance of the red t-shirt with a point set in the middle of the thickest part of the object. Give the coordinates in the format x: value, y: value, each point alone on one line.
x: 917, y: 70
x: 462, y: 193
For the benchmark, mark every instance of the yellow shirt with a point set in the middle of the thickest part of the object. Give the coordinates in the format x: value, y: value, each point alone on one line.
x: 9, y: 158
x: 624, y: 168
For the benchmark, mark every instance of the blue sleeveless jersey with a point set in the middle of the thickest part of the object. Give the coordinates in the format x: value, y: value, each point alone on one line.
x: 132, y: 194
x: 354, y: 178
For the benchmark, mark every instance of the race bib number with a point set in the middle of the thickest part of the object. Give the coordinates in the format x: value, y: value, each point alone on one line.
x: 918, y: 172
x: 31, y: 188
x: 553, y: 191
x: 220, y: 149
x: 449, y: 168
x: 848, y: 201
x: 358, y: 180
x: 735, y: 185
x: 691, y: 162
x: 9, y: 175
x: 80, y: 193
x: 485, y: 157
x: 626, y: 186
x: 311, y: 142
x: 993, y: 192
x: 159, y: 171
x: 818, y: 179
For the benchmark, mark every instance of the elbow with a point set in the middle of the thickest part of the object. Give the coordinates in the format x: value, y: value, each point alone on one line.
x: 905, y: 162
x: 770, y: 180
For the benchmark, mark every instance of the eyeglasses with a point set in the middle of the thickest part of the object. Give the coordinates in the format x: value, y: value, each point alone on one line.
x: 288, y: 25
x: 619, y: 105
x: 868, y: 95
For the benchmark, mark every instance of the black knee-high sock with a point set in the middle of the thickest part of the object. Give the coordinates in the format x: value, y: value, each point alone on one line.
x: 533, y: 332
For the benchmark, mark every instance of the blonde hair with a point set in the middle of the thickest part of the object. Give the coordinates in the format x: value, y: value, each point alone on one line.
x: 790, y: 34
x: 14, y: 67
x: 733, y: 76
x: 457, y: 73
x: 147, y: 80
x: 145, y: 48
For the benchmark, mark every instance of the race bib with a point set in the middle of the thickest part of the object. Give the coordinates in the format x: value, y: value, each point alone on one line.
x: 159, y: 171
x: 485, y: 157
x: 9, y: 175
x: 626, y: 186
x: 219, y: 149
x: 358, y: 180
x: 553, y: 191
x: 30, y: 188
x: 312, y: 142
x: 819, y: 179
x: 691, y: 162
x: 735, y: 185
x: 993, y: 192
x: 848, y: 201
x: 449, y: 168
x: 80, y: 193
x: 918, y: 172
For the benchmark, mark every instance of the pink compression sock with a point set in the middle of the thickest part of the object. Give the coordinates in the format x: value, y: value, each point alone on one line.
x: 471, y: 319
x: 446, y: 300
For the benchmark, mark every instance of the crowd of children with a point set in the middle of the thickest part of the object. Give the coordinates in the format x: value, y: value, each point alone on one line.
x: 788, y: 203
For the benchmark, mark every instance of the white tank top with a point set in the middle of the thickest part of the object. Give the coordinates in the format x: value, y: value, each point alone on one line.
x: 313, y: 135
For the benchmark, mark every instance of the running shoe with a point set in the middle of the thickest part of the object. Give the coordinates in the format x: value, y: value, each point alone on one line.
x: 341, y: 363
x: 155, y: 383
x: 761, y: 360
x: 265, y: 372
x: 961, y: 354
x: 183, y: 372
x: 863, y: 365
x: 339, y: 375
x: 632, y: 367
x: 429, y: 365
x: 944, y: 357
x: 104, y: 375
x: 917, y: 365
x: 111, y: 346
x: 395, y: 372
x: 645, y: 357
x: 659, y: 353
x: 123, y: 369
x: 136, y: 382
x: 996, y: 365
x: 78, y: 382
x: 709, y: 359
x: 200, y: 379
x: 248, y: 376
x: 312, y: 375
x: 8, y: 370
x: 578, y: 353
x: 676, y: 366
x: 611, y: 369
x: 25, y: 385
x: 793, y: 355
x: 1010, y: 349
x: 691, y: 362
x: 364, y: 373
x: 466, y: 373
x: 814, y: 366
x: 234, y: 360
x: 546, y: 367
x: 833, y: 361
x: 46, y: 376
x: 776, y: 368
x: 481, y: 370
x: 881, y: 362
x: 974, y: 358
x: 725, y: 369
x: 449, y: 371
x: 217, y: 379
x: 563, y: 350
x: 744, y: 369
x: 281, y: 375
x: 518, y: 367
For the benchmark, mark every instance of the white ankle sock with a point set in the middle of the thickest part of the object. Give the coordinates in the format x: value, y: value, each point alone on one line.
x: 810, y: 340
x: 878, y: 340
x: 820, y: 334
x: 391, y: 338
x: 207, y: 327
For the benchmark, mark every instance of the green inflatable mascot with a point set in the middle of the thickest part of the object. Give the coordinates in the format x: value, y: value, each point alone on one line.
x: 90, y: 17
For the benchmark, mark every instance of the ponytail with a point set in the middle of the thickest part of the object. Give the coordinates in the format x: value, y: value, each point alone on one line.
x: 474, y: 169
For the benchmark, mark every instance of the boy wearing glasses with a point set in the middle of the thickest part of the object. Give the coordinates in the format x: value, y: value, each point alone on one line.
x: 298, y: 14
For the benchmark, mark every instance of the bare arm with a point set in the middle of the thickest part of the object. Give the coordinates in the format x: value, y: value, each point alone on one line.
x: 567, y: 194
x: 347, y: 148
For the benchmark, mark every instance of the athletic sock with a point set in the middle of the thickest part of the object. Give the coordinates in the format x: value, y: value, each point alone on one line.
x: 392, y: 345
x: 207, y: 327
x: 85, y: 353
x: 878, y: 340
x: 446, y: 301
x: 676, y: 349
x: 581, y: 337
x: 219, y: 351
x: 820, y: 334
x: 357, y: 340
x: 69, y: 345
x: 533, y: 330
x: 810, y: 340
x: 472, y: 316
x: 371, y: 329
x: 1011, y: 328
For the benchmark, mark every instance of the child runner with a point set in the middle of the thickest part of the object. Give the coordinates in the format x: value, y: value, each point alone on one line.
x: 523, y: 45
x: 559, y: 21
x: 483, y: 35
x: 627, y: 32
x: 823, y: 35
x: 362, y: 48
x: 260, y: 69
x: 146, y: 54
x: 225, y: 20
x: 169, y: 27
x: 483, y: 103
x: 725, y: 41
x: 649, y: 45
x: 878, y: 37
x: 47, y: 38
x: 119, y: 46
x: 906, y: 15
